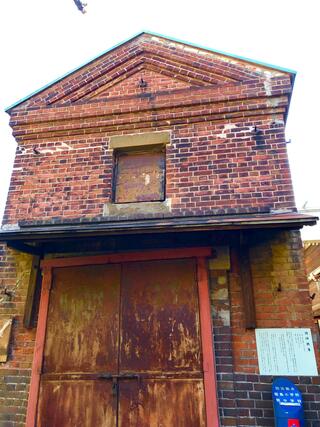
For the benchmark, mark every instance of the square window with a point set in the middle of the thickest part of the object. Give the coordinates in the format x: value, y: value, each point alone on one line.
x: 139, y: 174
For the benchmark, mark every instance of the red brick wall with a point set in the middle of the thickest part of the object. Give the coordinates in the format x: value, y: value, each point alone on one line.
x: 244, y: 395
x: 63, y: 169
x: 131, y: 85
x: 212, y: 105
x: 311, y: 255
x: 194, y: 66
x: 15, y: 373
x: 211, y: 168
x: 280, y: 291
x: 312, y: 262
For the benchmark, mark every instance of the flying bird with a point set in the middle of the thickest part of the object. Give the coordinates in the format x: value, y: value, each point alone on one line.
x: 80, y: 5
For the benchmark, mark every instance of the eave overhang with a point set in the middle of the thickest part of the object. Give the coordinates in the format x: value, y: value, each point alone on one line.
x: 42, y: 232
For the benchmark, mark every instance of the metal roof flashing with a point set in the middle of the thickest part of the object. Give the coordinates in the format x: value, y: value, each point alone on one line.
x: 245, y: 59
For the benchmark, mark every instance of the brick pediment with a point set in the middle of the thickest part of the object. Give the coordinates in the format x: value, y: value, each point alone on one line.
x: 163, y: 65
x: 141, y: 81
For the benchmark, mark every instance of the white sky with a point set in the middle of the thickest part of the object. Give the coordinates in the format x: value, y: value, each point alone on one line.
x: 43, y: 39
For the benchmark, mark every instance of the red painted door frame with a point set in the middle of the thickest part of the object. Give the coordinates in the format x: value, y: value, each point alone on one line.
x: 204, y: 306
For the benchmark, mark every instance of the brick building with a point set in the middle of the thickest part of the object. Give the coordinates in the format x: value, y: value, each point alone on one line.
x: 312, y: 263
x: 150, y: 230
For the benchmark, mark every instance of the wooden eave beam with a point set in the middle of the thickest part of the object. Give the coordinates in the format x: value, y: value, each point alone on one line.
x: 34, y: 282
x: 23, y: 247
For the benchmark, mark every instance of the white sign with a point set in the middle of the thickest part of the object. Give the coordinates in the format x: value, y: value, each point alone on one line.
x: 284, y: 351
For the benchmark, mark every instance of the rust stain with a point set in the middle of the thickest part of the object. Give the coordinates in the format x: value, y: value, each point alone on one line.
x: 123, y: 347
x: 160, y: 324
x: 74, y: 403
x: 161, y: 403
x: 83, y: 320
x: 139, y: 176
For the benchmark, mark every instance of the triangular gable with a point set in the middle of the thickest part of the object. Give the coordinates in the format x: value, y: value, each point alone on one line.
x: 140, y: 81
x: 163, y: 64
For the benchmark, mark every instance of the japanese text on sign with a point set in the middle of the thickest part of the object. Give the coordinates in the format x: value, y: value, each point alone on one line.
x: 285, y: 351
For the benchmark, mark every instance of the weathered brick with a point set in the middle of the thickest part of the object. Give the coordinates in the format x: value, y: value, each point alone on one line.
x: 215, y: 164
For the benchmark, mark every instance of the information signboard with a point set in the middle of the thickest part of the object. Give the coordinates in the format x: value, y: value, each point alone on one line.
x: 286, y: 351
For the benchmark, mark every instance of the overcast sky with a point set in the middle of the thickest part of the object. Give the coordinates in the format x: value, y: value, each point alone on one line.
x: 43, y: 39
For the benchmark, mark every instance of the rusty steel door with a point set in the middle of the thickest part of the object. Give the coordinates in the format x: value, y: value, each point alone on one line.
x: 123, y: 347
x: 160, y: 346
x: 81, y: 348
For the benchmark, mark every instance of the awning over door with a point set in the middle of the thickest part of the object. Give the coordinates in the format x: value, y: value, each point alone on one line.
x: 35, y: 233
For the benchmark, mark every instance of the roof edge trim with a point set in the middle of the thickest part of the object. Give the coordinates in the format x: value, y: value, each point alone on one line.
x: 224, y: 53
x: 151, y: 33
x: 68, y: 73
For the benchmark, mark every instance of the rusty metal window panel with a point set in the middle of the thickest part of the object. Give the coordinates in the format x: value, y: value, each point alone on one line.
x: 139, y: 175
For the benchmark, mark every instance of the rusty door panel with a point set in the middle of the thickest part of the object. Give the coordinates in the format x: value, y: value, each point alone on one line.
x: 161, y: 403
x: 77, y: 404
x: 159, y: 317
x: 123, y: 347
x: 83, y: 320
x: 82, y: 340
x: 139, y: 176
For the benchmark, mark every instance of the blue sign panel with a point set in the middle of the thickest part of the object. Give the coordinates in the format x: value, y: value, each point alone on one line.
x: 287, y: 403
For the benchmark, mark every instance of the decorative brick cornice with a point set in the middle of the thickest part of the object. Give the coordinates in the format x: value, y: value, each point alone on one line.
x: 164, y: 108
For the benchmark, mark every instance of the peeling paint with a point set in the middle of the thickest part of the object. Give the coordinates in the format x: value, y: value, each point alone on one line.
x: 277, y: 122
x: 226, y: 128
x: 272, y: 102
x: 62, y: 147
x: 147, y: 179
x: 268, y: 85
